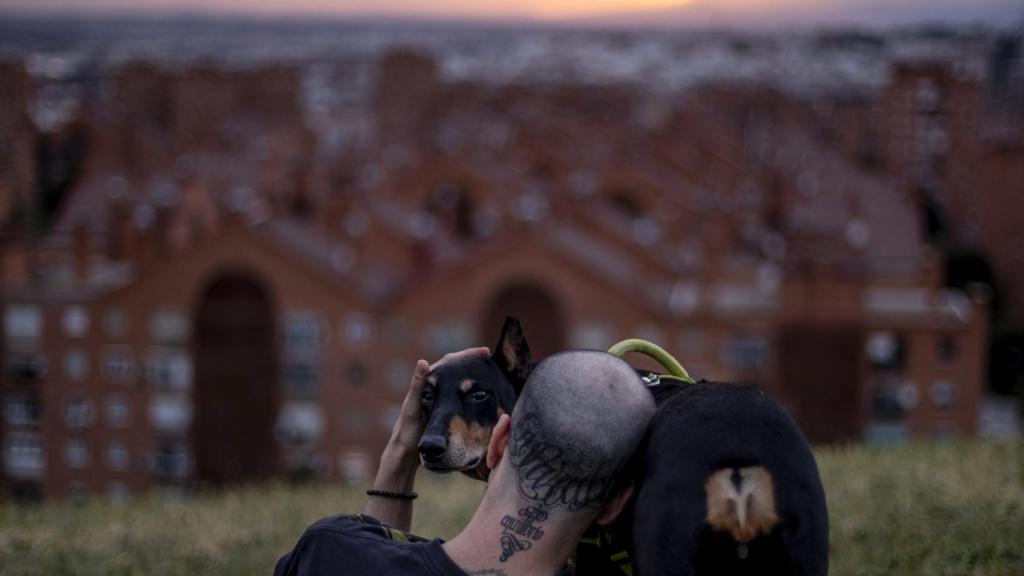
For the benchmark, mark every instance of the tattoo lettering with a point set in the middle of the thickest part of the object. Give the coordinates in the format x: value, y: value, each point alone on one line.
x: 520, y: 532
x: 554, y: 474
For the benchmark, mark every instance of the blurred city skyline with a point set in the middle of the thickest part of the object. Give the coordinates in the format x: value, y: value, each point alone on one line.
x: 225, y: 240
x: 666, y: 13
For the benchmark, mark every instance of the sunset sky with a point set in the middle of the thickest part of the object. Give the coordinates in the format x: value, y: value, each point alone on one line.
x: 993, y: 11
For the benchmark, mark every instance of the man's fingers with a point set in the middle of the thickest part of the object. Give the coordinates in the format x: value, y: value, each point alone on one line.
x: 467, y: 353
x: 419, y: 374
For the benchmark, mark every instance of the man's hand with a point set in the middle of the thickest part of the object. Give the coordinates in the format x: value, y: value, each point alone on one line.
x: 400, y: 460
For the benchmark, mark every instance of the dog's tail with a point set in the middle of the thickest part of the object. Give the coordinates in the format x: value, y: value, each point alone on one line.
x: 741, y: 502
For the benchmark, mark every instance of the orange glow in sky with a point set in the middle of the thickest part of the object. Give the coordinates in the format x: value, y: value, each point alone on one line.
x: 570, y: 8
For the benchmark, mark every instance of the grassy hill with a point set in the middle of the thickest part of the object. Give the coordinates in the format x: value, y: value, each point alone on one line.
x: 928, y: 509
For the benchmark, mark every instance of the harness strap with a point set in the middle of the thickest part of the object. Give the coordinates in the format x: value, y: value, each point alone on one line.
x: 651, y: 349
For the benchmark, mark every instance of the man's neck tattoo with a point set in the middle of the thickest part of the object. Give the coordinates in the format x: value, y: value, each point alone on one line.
x: 520, y: 532
x: 554, y: 474
x: 549, y: 475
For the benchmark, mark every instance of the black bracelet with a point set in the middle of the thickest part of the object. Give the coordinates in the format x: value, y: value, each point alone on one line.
x: 389, y: 494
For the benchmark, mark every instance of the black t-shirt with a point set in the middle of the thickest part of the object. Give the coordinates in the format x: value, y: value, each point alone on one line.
x: 358, y: 545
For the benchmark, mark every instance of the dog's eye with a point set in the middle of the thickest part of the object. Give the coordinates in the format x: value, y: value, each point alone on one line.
x: 478, y: 396
x: 428, y: 395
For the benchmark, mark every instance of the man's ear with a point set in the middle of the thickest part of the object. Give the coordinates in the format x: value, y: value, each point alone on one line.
x: 499, y: 440
x: 512, y: 354
x: 613, y: 507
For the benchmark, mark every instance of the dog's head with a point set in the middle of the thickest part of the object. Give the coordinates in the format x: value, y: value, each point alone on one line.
x: 462, y: 401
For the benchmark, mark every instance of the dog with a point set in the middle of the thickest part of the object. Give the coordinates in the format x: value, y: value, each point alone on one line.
x: 728, y: 486
x: 462, y: 401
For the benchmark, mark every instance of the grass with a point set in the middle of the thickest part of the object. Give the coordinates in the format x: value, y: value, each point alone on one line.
x: 929, y: 509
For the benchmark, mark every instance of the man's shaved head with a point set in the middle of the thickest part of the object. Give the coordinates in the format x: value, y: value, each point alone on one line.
x: 578, y: 422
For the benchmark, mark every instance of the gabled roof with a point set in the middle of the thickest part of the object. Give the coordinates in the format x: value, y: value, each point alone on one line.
x: 291, y: 244
x: 599, y: 262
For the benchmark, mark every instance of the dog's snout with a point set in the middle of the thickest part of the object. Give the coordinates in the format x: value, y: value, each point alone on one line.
x: 432, y: 448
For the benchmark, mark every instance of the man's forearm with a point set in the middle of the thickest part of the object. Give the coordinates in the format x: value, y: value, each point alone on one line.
x: 397, y: 473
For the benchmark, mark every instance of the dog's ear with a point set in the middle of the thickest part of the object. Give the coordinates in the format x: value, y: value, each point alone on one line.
x: 512, y: 354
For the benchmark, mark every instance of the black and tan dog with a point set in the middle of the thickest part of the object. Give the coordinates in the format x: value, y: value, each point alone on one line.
x: 463, y: 400
x: 728, y: 487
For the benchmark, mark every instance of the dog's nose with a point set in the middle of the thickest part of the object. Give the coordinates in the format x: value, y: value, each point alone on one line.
x: 432, y: 448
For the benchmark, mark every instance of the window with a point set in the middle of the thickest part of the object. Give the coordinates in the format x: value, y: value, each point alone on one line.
x: 357, y: 330
x: 303, y: 333
x: 117, y: 412
x: 358, y: 374
x: 745, y: 353
x: 947, y: 349
x: 301, y: 379
x: 26, y: 367
x: 118, y: 457
x: 78, y: 412
x: 76, y: 454
x: 909, y: 395
x: 886, y: 351
x: 169, y: 370
x: 684, y: 298
x: 23, y: 322
x: 119, y: 365
x: 171, y: 460
x: 75, y: 322
x: 172, y: 415
x: 943, y: 394
x: 22, y: 410
x: 886, y: 405
x: 116, y: 323
x: 300, y: 423
x: 23, y: 454
x: 76, y: 365
x: 169, y: 327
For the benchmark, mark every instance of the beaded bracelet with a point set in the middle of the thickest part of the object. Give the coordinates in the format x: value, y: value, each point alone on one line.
x: 389, y: 494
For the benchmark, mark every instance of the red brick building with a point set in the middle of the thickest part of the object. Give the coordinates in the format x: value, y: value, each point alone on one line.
x: 208, y: 310
x: 17, y: 160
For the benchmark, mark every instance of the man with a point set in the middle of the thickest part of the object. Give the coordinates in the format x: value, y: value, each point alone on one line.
x: 557, y: 466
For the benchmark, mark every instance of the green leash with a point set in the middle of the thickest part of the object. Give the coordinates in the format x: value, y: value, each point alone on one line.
x: 675, y: 369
